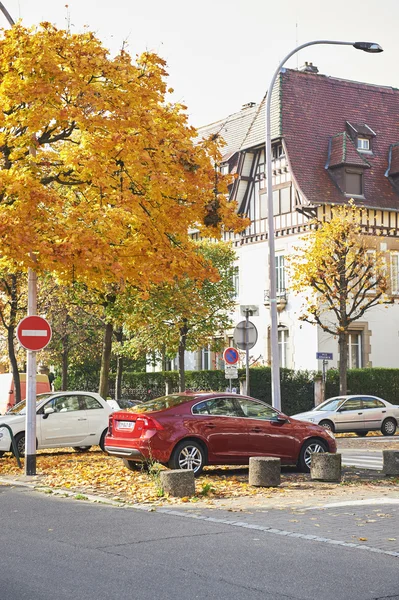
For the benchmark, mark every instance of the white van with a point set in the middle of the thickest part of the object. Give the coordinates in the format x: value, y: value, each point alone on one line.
x: 7, y: 393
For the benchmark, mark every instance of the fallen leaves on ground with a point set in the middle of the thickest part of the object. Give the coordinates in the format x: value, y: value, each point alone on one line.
x: 100, y: 474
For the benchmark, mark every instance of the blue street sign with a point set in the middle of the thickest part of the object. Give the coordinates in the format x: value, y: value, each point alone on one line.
x: 324, y: 355
x: 231, y: 356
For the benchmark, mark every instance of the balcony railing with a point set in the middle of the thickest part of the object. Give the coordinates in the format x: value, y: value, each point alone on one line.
x: 281, y: 297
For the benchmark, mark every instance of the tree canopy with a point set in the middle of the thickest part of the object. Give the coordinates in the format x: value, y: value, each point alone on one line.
x: 100, y: 176
x: 343, y: 274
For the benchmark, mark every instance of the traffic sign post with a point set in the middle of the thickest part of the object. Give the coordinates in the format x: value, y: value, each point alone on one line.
x: 231, y: 356
x: 246, y: 336
x: 33, y: 333
x: 325, y: 357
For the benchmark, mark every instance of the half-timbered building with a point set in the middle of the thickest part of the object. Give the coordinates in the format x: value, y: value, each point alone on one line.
x: 332, y: 140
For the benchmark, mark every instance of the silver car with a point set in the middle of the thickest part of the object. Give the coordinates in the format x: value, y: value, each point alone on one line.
x: 359, y: 414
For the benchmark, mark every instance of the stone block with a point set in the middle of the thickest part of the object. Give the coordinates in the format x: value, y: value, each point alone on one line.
x: 325, y: 466
x: 178, y: 482
x: 390, y: 462
x: 264, y: 471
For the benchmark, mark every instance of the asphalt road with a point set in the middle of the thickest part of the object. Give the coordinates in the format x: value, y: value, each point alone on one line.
x: 363, y: 459
x: 59, y: 548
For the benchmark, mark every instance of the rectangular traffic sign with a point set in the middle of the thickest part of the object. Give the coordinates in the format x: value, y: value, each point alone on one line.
x: 324, y: 355
x: 230, y: 372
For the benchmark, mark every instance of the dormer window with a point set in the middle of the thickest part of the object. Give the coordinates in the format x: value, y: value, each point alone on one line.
x: 363, y: 144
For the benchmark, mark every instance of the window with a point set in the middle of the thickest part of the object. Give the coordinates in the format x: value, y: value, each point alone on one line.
x: 64, y: 404
x: 222, y: 407
x: 363, y: 143
x: 353, y: 182
x: 280, y: 274
x: 256, y: 410
x: 236, y: 283
x: 283, y: 339
x: 351, y: 404
x: 282, y: 201
x: 277, y: 151
x: 372, y: 403
x: 91, y: 403
x: 395, y: 273
x: 205, y: 358
x: 354, y: 350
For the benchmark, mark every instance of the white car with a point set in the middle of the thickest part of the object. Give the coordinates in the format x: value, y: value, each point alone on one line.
x: 77, y: 419
x: 357, y: 413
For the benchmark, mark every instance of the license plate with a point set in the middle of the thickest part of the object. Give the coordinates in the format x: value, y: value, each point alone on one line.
x: 125, y: 425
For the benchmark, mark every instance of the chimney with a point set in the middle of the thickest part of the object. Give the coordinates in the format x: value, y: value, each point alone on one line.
x: 309, y: 67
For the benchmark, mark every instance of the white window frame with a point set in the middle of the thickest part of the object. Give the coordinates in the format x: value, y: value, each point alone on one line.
x: 359, y: 344
x: 363, y: 144
x: 280, y: 274
x: 283, y: 346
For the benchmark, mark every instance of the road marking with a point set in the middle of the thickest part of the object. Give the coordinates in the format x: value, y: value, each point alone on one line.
x: 35, y: 332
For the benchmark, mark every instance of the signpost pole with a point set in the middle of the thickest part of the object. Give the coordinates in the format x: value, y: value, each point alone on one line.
x: 247, y: 388
x: 30, y: 421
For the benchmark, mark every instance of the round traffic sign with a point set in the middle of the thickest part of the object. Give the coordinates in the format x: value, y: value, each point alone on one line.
x: 245, y: 335
x: 33, y: 332
x: 231, y: 356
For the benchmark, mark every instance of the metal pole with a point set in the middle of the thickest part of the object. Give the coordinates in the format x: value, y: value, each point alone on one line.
x: 275, y: 366
x: 247, y: 391
x: 7, y: 14
x: 30, y: 420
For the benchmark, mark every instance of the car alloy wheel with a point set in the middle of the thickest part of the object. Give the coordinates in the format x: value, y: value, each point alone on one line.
x: 190, y: 458
x: 188, y: 455
x: 310, y: 447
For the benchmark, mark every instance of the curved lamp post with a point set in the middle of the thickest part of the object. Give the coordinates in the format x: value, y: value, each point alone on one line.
x: 276, y: 393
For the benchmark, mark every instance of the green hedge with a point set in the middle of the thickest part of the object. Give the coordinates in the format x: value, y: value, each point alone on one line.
x: 376, y: 382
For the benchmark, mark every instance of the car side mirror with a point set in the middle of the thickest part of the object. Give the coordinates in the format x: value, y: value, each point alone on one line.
x: 47, y: 411
x: 279, y: 419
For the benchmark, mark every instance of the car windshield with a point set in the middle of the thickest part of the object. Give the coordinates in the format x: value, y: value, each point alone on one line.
x: 160, y: 403
x: 331, y: 404
x: 20, y: 408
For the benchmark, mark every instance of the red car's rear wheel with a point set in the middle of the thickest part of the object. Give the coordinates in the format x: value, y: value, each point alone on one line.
x: 188, y: 454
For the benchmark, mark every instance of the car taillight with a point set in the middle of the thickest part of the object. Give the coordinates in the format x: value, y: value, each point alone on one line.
x: 148, y: 423
x: 110, y: 423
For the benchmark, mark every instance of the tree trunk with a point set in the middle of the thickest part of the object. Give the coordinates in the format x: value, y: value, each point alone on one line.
x: 105, y: 361
x: 64, y: 376
x: 343, y: 362
x: 182, y: 348
x: 10, y: 338
x: 119, y: 367
x: 65, y: 355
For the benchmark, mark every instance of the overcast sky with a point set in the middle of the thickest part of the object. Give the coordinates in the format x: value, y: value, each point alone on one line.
x: 222, y: 53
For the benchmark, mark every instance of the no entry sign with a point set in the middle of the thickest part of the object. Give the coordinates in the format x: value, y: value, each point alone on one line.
x: 34, y: 333
x: 231, y: 356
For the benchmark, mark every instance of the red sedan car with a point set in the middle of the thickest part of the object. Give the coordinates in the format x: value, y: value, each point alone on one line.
x: 191, y: 430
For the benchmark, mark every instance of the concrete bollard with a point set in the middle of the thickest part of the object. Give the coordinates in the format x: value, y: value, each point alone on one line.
x: 390, y: 462
x: 325, y: 466
x: 178, y: 482
x: 264, y: 471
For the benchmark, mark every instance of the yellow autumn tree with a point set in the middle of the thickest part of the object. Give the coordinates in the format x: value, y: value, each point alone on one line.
x: 341, y: 275
x: 100, y: 176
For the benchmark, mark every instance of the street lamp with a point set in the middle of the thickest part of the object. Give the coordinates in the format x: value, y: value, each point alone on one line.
x: 276, y: 394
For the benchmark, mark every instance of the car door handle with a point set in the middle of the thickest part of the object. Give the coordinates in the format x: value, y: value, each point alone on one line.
x: 360, y: 413
x: 256, y: 430
x: 210, y: 425
x: 383, y: 411
x: 82, y: 419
